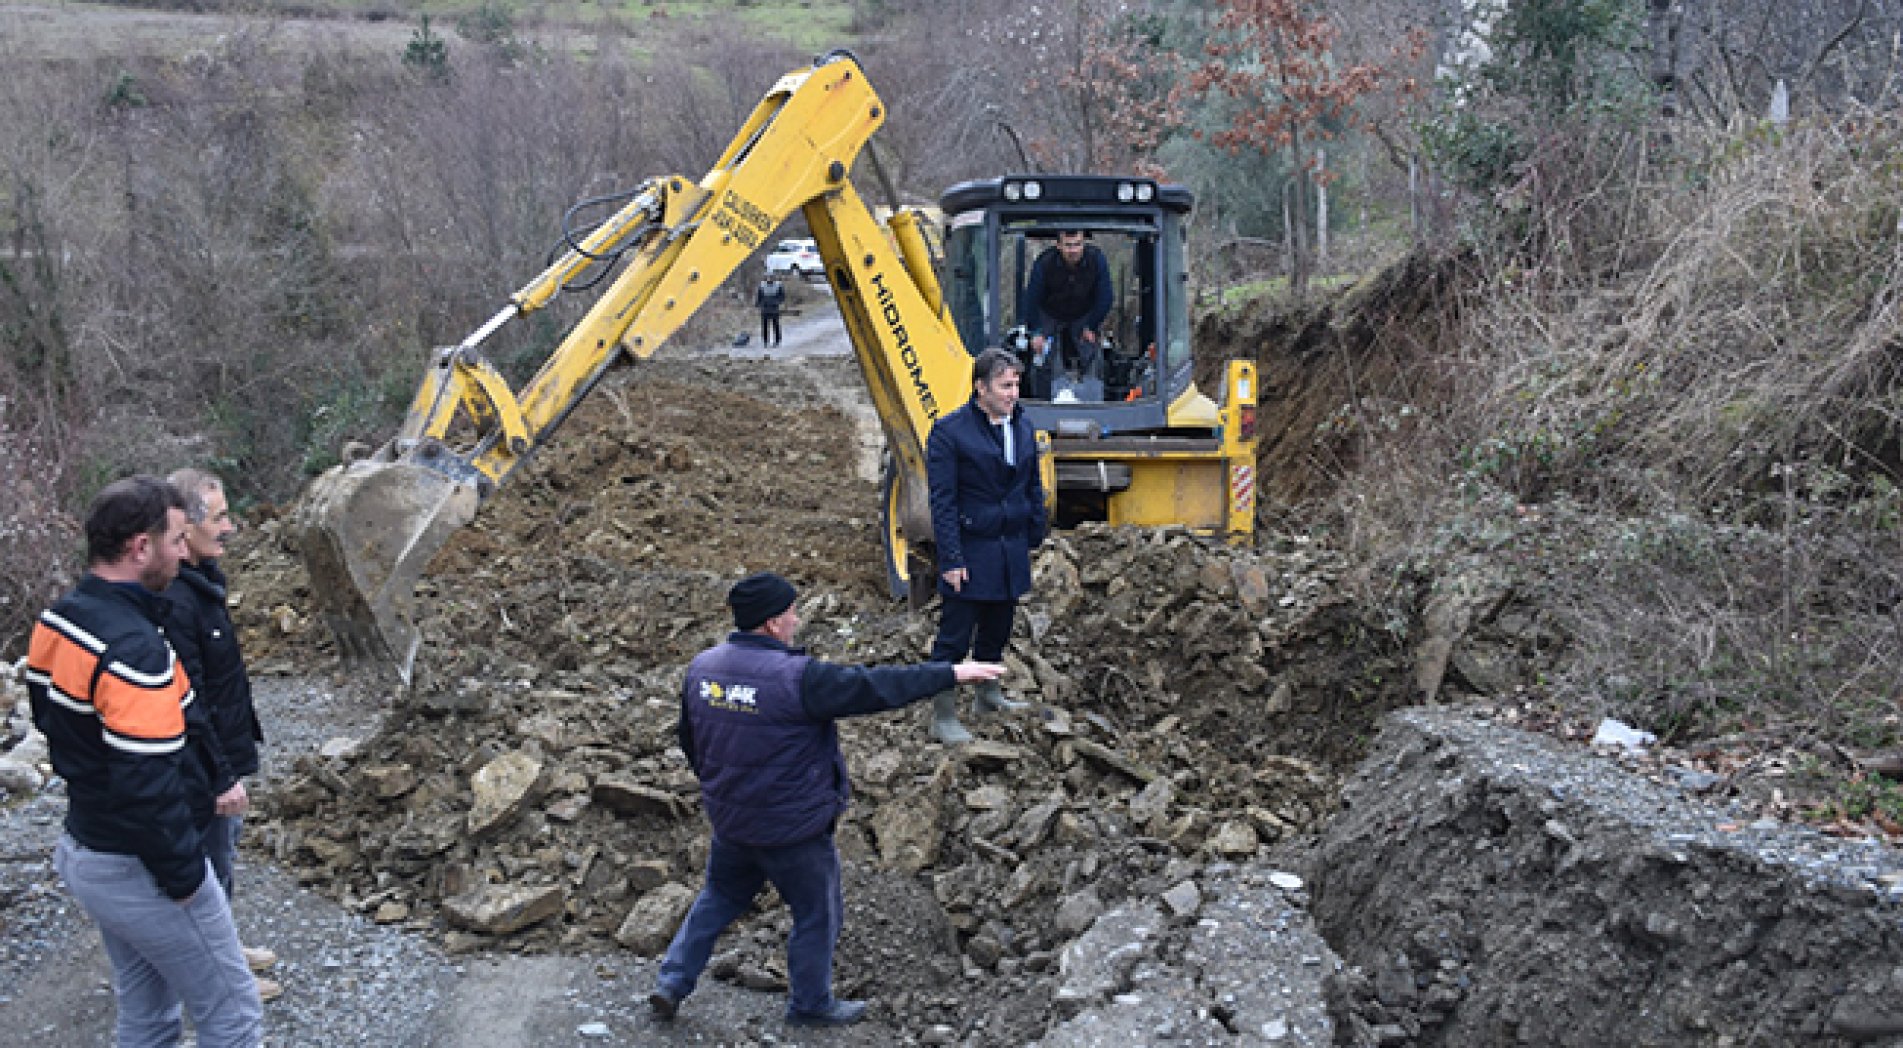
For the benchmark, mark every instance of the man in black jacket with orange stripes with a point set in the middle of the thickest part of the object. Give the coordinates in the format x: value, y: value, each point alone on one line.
x: 116, y: 710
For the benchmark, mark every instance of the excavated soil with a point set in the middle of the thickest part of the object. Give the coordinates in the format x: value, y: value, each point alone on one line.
x: 1194, y: 704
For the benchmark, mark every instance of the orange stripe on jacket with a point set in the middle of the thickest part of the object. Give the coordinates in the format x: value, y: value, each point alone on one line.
x: 67, y: 666
x: 143, y: 706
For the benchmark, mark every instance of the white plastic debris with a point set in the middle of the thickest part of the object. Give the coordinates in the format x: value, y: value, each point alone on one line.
x: 1622, y: 735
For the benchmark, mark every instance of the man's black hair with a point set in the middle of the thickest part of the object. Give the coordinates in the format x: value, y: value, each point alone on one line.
x: 137, y: 505
x: 986, y: 365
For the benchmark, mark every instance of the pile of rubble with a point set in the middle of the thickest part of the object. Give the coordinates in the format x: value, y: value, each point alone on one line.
x: 1191, y: 703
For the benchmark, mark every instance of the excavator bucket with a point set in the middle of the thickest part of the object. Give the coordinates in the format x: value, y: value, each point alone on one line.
x: 367, y: 530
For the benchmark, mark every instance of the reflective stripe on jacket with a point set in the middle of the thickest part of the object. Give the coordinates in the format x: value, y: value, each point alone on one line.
x: 117, y: 711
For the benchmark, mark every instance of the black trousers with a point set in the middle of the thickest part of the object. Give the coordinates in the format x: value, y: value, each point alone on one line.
x: 770, y: 329
x: 959, y: 619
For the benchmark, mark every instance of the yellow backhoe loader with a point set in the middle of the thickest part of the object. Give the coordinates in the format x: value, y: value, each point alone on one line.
x: 1140, y: 447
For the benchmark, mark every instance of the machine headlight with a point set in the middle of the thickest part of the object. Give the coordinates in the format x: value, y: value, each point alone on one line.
x: 1146, y: 193
x: 1012, y: 192
x: 1033, y: 190
x: 1126, y: 192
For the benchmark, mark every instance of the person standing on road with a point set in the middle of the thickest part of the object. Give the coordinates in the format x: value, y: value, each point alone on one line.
x: 987, y: 516
x: 198, y: 623
x: 770, y: 299
x: 757, y: 726
x: 120, y: 724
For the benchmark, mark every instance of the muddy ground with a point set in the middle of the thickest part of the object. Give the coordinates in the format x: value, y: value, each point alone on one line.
x: 1112, y: 865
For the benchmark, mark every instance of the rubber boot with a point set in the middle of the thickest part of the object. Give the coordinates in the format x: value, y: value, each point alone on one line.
x: 945, y: 726
x: 990, y: 699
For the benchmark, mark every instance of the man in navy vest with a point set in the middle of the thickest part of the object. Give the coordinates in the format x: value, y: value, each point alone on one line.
x: 987, y: 517
x: 757, y: 726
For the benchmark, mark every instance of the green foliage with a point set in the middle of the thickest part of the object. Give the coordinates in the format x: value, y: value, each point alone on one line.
x: 1557, y: 53
x: 347, y: 414
x: 1553, y: 65
x: 492, y: 27
x: 125, y: 93
x: 1867, y: 796
x: 427, y: 53
x: 1477, y: 153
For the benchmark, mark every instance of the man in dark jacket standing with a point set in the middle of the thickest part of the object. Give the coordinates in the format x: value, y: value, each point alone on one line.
x: 198, y: 623
x: 987, y: 515
x: 121, y: 726
x: 770, y: 298
x: 757, y: 726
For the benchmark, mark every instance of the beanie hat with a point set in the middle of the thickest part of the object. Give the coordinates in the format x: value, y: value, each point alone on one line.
x: 758, y: 598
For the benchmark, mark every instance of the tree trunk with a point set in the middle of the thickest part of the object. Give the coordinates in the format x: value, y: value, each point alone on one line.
x: 1299, y: 256
x: 1321, y: 208
x: 1662, y: 29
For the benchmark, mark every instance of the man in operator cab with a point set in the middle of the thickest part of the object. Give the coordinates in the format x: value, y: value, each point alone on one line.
x: 1067, y: 299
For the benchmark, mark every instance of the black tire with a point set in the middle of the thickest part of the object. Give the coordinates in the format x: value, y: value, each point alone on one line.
x: 908, y: 567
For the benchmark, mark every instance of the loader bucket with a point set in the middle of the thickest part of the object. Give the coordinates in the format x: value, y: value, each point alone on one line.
x: 367, y: 530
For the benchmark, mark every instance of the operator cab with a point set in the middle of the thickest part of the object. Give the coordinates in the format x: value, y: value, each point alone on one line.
x: 995, y: 229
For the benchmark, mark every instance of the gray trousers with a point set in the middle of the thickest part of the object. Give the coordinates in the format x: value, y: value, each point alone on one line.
x: 165, y: 953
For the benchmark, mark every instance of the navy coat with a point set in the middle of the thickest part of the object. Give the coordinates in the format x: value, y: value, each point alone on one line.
x: 987, y: 516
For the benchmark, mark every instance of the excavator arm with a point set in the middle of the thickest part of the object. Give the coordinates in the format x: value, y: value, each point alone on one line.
x: 367, y: 529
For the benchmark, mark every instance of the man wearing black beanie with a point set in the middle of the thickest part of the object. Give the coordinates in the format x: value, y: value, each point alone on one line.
x: 757, y: 725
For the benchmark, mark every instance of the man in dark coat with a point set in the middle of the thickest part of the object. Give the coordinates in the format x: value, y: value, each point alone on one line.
x: 987, y: 516
x: 198, y: 623
x: 757, y: 726
x: 1068, y: 296
x: 770, y: 298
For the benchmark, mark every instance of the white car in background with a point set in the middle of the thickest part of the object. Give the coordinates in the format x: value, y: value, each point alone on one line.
x: 799, y: 258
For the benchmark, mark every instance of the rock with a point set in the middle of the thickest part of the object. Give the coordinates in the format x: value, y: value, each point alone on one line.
x: 18, y: 777
x: 985, y: 755
x: 1151, y: 806
x: 1268, y: 825
x: 631, y: 798
x: 568, y: 809
x: 341, y: 747
x: 495, y: 909
x: 882, y: 768
x: 650, y: 925
x: 988, y: 798
x: 1184, y: 899
x: 1100, y: 961
x: 1077, y: 913
x: 391, y: 913
x: 1215, y: 578
x: 1252, y: 587
x: 503, y: 788
x: 1234, y: 840
x: 1035, y: 824
x: 390, y: 781
x: 1282, y: 699
x: 907, y: 832
x: 646, y: 875
x: 594, y: 1031
x: 1394, y: 983
x: 1109, y: 758
x: 984, y: 951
